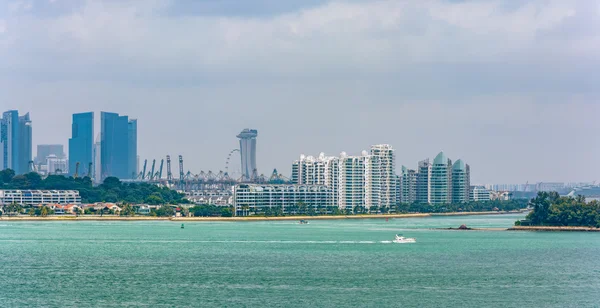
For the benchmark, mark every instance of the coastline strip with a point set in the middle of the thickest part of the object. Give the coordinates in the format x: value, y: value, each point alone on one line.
x: 238, y: 218
x: 553, y: 228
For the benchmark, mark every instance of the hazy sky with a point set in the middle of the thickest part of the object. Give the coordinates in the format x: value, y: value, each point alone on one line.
x: 511, y: 87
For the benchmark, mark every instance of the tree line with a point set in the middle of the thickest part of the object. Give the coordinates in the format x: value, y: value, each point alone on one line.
x: 302, y: 209
x: 111, y: 190
x: 550, y: 209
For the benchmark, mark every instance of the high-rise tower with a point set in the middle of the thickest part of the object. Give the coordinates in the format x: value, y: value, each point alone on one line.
x: 248, y: 153
x: 461, y: 182
x: 25, y: 143
x: 424, y: 182
x: 387, y: 173
x: 9, y: 141
x: 81, y: 142
x: 118, y: 146
x: 441, y: 180
x: 132, y: 148
x: 408, y: 185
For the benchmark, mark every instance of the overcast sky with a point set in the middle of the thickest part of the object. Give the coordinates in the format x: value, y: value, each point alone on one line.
x: 511, y: 87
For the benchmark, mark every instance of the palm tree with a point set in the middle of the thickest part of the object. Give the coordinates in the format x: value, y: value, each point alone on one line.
x: 18, y: 208
x: 44, y: 211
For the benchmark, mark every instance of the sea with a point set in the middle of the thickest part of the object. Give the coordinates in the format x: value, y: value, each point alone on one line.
x: 326, y: 263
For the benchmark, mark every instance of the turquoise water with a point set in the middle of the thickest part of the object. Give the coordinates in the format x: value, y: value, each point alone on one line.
x: 340, y: 263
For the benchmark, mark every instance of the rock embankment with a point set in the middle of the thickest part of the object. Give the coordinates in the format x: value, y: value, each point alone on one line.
x: 547, y: 228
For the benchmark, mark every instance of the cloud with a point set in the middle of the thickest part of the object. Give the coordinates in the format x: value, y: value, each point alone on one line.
x: 484, y: 80
x: 373, y: 37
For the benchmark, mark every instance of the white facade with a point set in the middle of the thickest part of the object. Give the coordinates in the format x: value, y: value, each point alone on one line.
x: 212, y: 197
x: 359, y: 181
x: 321, y: 170
x: 386, y: 156
x: 38, y: 197
x: 249, y: 198
x: 424, y: 182
x: 56, y: 165
x: 353, y: 180
x: 479, y: 193
x: 408, y: 186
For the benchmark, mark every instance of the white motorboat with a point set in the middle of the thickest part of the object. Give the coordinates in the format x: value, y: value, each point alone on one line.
x: 404, y: 240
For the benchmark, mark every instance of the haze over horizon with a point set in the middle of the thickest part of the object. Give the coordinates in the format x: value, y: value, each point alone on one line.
x: 511, y: 87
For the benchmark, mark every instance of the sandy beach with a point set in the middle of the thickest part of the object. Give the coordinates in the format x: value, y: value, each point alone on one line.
x: 245, y: 218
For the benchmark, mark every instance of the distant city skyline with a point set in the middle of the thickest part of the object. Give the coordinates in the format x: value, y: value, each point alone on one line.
x: 512, y: 89
x: 15, y: 141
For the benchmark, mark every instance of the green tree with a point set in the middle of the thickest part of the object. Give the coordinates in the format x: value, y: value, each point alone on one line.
x: 44, y: 211
x: 7, y: 175
x: 165, y: 211
x: 227, y: 212
x: 127, y: 210
x: 155, y: 199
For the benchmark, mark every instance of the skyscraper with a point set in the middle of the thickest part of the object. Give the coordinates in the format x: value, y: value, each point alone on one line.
x: 115, y: 146
x: 424, y: 182
x: 9, y: 139
x: 45, y: 150
x: 461, y: 182
x: 248, y: 152
x: 387, y: 173
x: 408, y: 186
x: 441, y: 180
x: 25, y: 144
x: 132, y: 148
x: 96, y: 154
x: 351, y: 182
x: 81, y: 142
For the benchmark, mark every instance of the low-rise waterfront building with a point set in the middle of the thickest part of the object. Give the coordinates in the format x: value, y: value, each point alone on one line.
x: 66, y: 209
x: 143, y: 209
x: 250, y: 198
x: 479, y: 193
x: 211, y: 197
x: 500, y: 195
x: 39, y: 197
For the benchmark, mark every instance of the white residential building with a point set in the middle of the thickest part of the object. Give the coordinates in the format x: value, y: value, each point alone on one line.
x: 386, y: 156
x: 321, y: 170
x: 479, y: 193
x: 408, y: 186
x: 424, y: 182
x: 248, y: 198
x: 353, y: 180
x: 39, y: 197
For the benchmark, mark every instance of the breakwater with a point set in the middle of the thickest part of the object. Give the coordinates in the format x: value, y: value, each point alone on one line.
x: 551, y: 228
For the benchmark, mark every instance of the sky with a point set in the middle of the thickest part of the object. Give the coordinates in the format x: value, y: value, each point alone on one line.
x: 509, y: 86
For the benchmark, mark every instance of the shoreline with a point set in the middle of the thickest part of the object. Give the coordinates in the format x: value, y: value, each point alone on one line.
x: 239, y: 218
x: 554, y: 229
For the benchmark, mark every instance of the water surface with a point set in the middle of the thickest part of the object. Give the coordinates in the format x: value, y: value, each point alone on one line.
x: 337, y: 263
